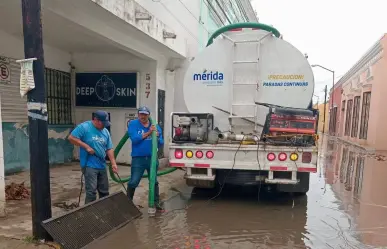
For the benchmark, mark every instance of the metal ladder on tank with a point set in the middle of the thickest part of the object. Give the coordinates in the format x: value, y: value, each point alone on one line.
x: 241, y: 84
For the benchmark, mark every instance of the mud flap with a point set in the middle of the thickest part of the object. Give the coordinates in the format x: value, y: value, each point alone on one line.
x: 302, y: 187
x: 80, y: 227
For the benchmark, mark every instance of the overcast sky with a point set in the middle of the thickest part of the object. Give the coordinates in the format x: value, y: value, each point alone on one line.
x: 334, y: 34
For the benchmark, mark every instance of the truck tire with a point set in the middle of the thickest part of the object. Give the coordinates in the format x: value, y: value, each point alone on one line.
x: 300, y: 189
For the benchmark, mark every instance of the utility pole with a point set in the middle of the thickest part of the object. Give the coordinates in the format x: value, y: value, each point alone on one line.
x: 37, y: 119
x: 325, y: 106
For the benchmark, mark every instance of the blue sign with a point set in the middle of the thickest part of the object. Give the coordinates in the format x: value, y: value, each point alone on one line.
x: 209, y: 77
x: 106, y: 89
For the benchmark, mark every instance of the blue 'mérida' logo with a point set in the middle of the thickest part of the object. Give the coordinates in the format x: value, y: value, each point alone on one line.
x: 209, y: 77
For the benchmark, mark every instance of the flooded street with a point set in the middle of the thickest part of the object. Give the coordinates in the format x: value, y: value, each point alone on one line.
x: 346, y: 207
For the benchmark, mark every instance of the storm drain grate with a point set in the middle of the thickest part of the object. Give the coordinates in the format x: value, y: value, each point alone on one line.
x: 83, y: 225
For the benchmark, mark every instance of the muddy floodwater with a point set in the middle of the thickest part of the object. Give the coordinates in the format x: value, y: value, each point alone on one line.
x: 346, y: 207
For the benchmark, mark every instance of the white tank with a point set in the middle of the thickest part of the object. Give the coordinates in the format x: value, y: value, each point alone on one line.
x: 270, y: 70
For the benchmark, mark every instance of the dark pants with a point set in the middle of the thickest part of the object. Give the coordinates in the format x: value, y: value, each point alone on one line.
x: 95, y: 180
x: 139, y: 165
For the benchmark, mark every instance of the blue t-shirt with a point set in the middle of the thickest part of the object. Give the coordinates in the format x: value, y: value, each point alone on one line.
x: 142, y: 147
x: 99, y: 140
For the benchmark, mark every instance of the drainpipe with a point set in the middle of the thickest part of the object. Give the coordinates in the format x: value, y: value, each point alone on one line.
x: 2, y: 169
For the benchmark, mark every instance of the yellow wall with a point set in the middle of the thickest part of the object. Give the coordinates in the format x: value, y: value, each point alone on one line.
x: 321, y: 117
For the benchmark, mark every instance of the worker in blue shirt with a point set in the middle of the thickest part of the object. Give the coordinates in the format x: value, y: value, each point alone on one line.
x: 140, y: 133
x: 94, y: 143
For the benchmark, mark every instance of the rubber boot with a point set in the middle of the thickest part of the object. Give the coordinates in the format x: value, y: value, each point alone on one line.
x: 130, y: 193
x: 158, y: 205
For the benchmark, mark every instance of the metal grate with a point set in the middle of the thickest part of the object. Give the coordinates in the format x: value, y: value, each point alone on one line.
x: 83, y: 225
x: 58, y: 89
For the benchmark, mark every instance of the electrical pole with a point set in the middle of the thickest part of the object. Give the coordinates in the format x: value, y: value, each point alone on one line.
x: 37, y: 119
x: 325, y: 106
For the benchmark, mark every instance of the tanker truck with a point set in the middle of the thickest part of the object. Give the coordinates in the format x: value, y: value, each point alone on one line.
x: 249, y: 118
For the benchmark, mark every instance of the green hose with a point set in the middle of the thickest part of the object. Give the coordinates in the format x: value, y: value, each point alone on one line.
x: 118, y: 149
x: 152, y: 173
x: 243, y: 25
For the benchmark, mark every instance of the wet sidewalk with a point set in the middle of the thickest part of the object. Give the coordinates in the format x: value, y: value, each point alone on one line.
x: 65, y: 188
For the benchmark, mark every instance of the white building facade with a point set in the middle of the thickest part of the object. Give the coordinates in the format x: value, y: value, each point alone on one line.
x: 112, y: 55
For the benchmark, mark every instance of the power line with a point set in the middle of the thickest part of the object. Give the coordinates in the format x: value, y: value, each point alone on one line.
x: 194, y: 16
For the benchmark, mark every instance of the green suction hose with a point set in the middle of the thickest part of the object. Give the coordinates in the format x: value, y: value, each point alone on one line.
x: 152, y: 173
x: 243, y: 25
x: 117, y: 151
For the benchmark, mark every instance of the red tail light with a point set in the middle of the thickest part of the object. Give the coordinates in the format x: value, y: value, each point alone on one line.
x: 282, y: 156
x: 210, y: 154
x: 306, y: 157
x: 179, y: 154
x: 199, y: 154
x: 271, y: 156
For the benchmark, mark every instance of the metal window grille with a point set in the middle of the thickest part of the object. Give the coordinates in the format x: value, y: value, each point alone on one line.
x: 58, y: 94
x: 355, y: 119
x: 348, y: 118
x: 342, y: 107
x: 359, y: 175
x: 343, y: 165
x: 349, y: 171
x: 365, y: 112
x: 332, y: 122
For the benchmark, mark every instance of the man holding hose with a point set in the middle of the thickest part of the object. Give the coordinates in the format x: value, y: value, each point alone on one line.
x: 140, y: 133
x: 94, y: 143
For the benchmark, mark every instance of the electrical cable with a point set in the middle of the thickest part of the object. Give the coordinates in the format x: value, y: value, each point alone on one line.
x: 122, y: 183
x: 259, y: 172
x: 229, y: 172
x: 194, y: 16
x: 80, y: 192
x: 83, y: 174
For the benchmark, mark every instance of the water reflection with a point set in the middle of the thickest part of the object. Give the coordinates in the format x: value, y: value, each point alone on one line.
x: 236, y: 220
x: 346, y: 207
x: 364, y: 195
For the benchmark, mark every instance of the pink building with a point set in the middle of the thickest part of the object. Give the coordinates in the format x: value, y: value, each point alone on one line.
x: 361, y: 115
x: 334, y: 110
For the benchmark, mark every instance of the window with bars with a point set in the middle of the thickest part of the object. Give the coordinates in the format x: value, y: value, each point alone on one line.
x: 332, y: 123
x: 365, y: 112
x: 359, y: 175
x: 349, y: 171
x: 355, y: 119
x: 343, y: 165
x: 58, y: 94
x: 343, y: 105
x: 348, y: 118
